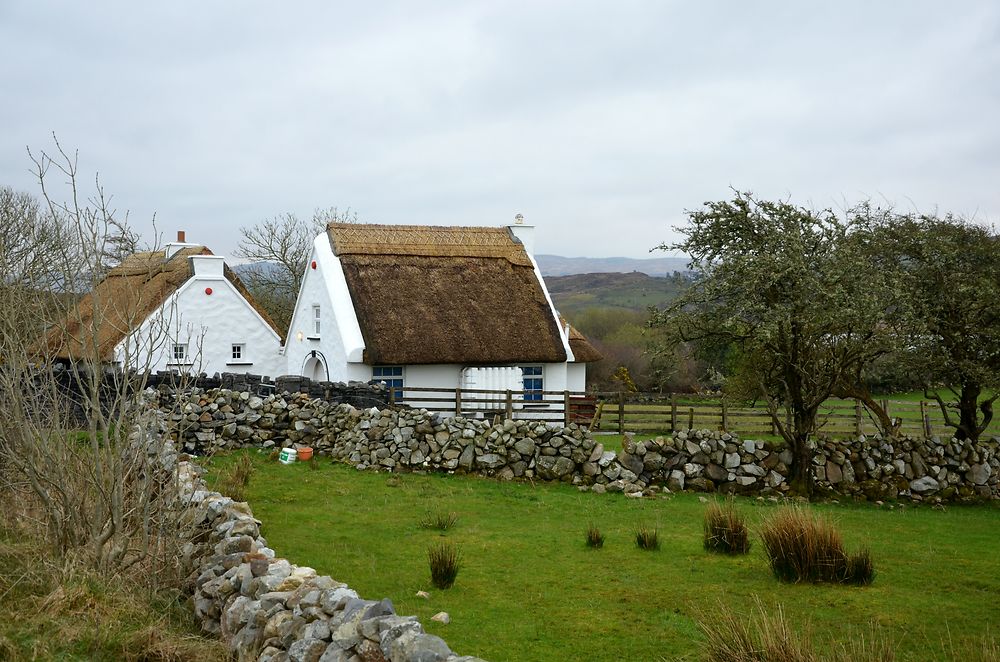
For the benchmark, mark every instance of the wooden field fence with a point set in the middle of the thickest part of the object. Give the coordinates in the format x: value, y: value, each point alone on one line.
x: 663, y: 413
x: 655, y: 413
x: 551, y: 406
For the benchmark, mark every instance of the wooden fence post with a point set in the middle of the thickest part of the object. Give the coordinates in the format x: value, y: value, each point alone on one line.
x: 925, y: 419
x: 621, y: 413
x: 673, y: 413
x: 725, y: 414
x: 458, y: 402
x: 691, y: 418
x: 510, y: 405
x: 392, y: 396
x: 566, y: 412
x: 858, y: 423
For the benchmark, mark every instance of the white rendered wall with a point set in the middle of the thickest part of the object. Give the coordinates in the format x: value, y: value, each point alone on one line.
x: 340, y: 344
x: 576, y: 377
x: 209, y: 324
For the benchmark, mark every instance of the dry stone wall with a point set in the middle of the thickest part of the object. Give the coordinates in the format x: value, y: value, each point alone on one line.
x: 401, y: 439
x: 268, y: 609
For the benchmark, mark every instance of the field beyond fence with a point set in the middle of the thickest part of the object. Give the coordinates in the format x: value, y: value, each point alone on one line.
x: 663, y: 413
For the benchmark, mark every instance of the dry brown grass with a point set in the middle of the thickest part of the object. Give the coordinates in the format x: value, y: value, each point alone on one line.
x: 805, y: 547
x: 66, y: 611
x: 726, y: 530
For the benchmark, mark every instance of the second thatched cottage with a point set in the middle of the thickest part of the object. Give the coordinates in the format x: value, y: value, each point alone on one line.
x: 432, y: 307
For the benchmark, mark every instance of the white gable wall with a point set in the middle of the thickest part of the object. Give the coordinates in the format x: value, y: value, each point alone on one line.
x: 340, y: 345
x: 209, y: 324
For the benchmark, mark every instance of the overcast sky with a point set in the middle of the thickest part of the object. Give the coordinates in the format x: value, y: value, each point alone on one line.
x: 601, y: 123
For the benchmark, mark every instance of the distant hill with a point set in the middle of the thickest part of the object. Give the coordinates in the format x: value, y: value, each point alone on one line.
x: 629, y: 291
x: 556, y: 265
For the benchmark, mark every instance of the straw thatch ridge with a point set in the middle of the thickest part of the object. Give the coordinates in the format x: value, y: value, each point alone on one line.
x: 427, y: 241
x: 120, y: 303
x: 428, y: 295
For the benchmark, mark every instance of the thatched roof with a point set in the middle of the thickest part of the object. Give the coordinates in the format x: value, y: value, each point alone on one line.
x: 465, y: 295
x: 121, y: 302
x: 583, y: 351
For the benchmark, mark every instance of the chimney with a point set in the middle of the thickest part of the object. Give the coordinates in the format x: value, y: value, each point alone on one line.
x: 172, y: 247
x: 524, y: 233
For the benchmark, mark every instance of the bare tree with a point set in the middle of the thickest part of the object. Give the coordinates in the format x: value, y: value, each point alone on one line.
x: 280, y: 247
x: 70, y: 456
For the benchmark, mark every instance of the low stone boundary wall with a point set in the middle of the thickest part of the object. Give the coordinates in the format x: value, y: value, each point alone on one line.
x: 270, y: 610
x: 398, y: 439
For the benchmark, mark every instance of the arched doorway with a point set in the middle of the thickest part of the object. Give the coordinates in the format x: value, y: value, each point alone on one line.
x: 315, y: 368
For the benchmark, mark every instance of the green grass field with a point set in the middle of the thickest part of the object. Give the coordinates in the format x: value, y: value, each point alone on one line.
x: 530, y: 589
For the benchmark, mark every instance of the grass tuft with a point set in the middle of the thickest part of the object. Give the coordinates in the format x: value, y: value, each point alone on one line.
x: 647, y: 538
x: 763, y: 636
x: 595, y: 539
x: 802, y: 547
x: 445, y: 562
x: 725, y: 529
x: 234, y: 479
x: 439, y: 521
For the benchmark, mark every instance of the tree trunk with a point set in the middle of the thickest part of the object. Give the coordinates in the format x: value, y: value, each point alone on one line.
x: 968, y: 421
x: 800, y: 475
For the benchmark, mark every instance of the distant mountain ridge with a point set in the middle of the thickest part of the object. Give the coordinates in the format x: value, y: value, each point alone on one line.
x: 557, y: 265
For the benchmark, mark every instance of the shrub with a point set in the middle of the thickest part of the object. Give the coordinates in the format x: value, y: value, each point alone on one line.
x: 439, y: 521
x: 804, y: 547
x: 445, y: 563
x: 595, y: 539
x: 647, y: 538
x: 725, y: 529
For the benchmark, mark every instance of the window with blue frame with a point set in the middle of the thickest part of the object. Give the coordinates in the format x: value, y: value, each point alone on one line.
x: 532, y: 376
x: 392, y: 375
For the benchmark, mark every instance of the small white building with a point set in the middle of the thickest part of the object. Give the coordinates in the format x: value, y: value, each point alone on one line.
x: 180, y: 308
x: 432, y: 307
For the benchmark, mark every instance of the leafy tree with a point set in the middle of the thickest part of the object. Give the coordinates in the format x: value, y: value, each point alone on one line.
x: 952, y: 271
x: 798, y: 293
x: 281, y: 246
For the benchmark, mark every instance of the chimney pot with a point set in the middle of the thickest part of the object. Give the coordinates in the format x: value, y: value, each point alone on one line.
x: 180, y: 237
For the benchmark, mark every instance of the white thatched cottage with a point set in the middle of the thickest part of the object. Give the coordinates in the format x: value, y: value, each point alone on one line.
x: 442, y: 307
x: 180, y: 308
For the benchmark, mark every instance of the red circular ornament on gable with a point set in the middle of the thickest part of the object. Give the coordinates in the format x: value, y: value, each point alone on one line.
x: 314, y: 264
x: 208, y: 291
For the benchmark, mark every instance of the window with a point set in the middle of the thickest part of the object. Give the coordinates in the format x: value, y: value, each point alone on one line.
x: 392, y: 375
x: 180, y: 353
x: 238, y: 352
x: 317, y: 317
x: 532, y: 377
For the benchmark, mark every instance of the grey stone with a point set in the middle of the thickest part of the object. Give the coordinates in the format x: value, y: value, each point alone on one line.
x: 979, y: 473
x: 716, y: 473
x: 306, y: 650
x: 924, y: 484
x: 525, y: 446
x: 834, y: 474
